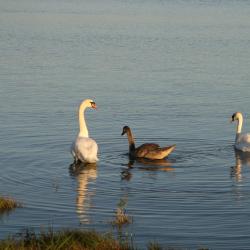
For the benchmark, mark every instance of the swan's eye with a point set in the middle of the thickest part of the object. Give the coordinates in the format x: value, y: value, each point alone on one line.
x: 232, y: 117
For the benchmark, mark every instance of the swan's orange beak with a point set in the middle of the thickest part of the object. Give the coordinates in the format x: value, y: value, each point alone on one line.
x: 93, y: 105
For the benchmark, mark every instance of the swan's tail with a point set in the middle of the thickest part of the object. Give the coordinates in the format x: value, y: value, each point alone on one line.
x: 168, y: 150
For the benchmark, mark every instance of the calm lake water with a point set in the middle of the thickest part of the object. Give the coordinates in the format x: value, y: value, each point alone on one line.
x: 174, y: 71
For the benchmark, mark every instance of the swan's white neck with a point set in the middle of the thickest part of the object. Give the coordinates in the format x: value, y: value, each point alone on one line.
x: 239, y: 125
x: 82, y: 124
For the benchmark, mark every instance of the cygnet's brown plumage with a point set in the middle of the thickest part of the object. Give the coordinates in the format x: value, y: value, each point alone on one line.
x: 148, y: 150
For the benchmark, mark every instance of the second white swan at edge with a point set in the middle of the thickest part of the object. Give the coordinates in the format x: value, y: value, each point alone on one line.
x: 242, y: 140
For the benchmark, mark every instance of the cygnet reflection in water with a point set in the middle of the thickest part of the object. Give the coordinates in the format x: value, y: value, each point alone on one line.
x: 146, y: 165
x: 152, y: 165
x: 84, y: 174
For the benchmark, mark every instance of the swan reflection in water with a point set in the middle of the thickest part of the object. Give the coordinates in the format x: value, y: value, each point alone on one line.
x: 146, y: 165
x: 84, y: 174
x: 241, y: 159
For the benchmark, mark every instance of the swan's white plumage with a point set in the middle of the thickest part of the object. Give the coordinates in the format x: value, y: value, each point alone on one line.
x: 242, y: 141
x: 84, y: 148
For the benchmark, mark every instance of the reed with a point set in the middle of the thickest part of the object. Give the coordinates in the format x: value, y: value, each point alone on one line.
x: 73, y: 240
x: 63, y: 240
x: 157, y: 246
x: 7, y: 204
x: 121, y: 217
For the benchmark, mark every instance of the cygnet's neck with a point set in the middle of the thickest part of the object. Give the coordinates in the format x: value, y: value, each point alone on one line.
x: 82, y: 124
x: 131, y: 141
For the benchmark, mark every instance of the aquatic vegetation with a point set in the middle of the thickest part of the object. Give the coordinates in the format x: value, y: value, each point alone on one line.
x: 63, y: 240
x: 7, y: 204
x: 154, y: 246
x: 73, y: 240
x: 121, y: 217
x: 157, y: 246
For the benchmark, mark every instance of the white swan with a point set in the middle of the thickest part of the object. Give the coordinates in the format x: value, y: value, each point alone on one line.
x: 242, y: 141
x: 84, y: 149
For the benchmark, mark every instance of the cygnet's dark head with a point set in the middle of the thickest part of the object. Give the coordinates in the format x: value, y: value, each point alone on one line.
x: 125, y: 130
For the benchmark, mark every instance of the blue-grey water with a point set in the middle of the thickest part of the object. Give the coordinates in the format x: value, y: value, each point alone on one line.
x: 174, y: 71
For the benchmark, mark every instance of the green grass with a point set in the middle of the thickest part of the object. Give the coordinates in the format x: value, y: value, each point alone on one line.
x: 7, y: 204
x: 63, y: 240
x: 72, y: 240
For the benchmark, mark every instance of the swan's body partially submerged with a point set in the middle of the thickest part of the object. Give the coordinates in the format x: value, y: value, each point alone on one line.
x: 150, y: 151
x: 242, y: 141
x: 84, y: 149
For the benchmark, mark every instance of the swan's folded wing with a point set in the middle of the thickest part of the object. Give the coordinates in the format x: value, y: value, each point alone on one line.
x: 86, y: 149
x: 159, y: 153
x: 149, y: 146
x: 244, y: 138
x: 142, y: 150
x: 243, y: 142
